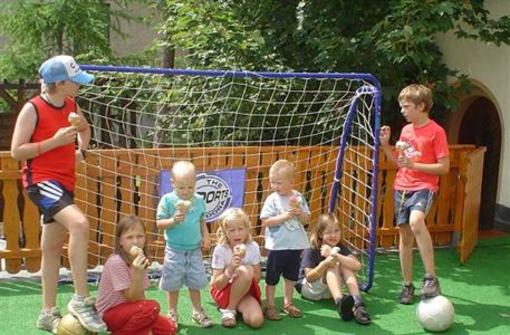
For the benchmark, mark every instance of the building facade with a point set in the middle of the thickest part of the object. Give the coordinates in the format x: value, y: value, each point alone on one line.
x: 483, y: 117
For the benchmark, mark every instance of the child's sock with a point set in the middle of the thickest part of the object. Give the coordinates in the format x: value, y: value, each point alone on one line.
x: 357, y: 300
x: 46, y: 310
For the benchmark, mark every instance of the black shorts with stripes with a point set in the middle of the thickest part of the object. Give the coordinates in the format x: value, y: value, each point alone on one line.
x: 50, y: 197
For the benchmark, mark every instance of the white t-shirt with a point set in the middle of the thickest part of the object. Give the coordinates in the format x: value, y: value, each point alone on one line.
x: 222, y: 255
x: 290, y: 235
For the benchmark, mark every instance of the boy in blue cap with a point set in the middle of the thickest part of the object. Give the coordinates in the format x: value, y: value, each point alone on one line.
x: 45, y: 136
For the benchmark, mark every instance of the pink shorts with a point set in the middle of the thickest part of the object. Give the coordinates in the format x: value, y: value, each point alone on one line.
x: 222, y: 297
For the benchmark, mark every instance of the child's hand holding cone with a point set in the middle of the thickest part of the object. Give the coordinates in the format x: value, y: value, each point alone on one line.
x: 139, y: 260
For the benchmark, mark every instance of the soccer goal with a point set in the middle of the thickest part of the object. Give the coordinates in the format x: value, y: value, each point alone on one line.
x: 232, y: 125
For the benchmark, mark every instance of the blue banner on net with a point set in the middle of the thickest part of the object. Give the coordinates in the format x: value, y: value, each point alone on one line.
x: 220, y: 189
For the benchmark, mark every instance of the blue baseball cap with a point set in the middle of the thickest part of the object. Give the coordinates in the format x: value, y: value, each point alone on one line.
x: 64, y: 67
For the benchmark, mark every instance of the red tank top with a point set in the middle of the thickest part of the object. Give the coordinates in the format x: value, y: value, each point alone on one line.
x: 57, y: 164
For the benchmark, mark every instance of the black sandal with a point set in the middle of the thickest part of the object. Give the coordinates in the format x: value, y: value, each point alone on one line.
x: 361, y: 315
x: 345, y: 308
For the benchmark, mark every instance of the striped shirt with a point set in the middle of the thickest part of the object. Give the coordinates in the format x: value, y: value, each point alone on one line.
x: 117, y: 277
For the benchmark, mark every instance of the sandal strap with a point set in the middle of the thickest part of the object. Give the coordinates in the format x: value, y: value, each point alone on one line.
x: 272, y: 313
x: 292, y: 310
x: 361, y: 314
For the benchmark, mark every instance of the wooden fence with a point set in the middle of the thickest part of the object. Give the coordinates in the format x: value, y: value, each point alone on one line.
x: 117, y: 182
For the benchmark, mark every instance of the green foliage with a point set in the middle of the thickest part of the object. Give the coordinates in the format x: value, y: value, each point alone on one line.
x: 395, y: 42
x: 394, y: 39
x: 212, y: 36
x: 39, y: 29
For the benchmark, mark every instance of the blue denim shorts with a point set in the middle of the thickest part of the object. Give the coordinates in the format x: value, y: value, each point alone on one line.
x: 408, y: 201
x: 183, y: 267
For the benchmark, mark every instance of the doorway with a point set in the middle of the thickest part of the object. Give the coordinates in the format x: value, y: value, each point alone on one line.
x: 480, y: 125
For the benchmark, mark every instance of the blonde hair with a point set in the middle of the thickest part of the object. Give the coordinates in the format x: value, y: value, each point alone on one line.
x: 324, y: 221
x: 283, y: 165
x: 125, y: 224
x: 183, y: 169
x: 226, y: 218
x: 417, y: 93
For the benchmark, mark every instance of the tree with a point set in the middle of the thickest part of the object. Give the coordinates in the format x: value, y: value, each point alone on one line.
x: 395, y: 41
x: 212, y: 35
x: 40, y: 29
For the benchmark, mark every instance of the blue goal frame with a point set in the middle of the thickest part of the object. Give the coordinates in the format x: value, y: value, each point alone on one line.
x: 374, y: 90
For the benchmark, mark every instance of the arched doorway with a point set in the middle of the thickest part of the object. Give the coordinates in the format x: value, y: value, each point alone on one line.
x: 478, y: 123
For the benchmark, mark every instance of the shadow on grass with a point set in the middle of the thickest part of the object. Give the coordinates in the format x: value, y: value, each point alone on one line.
x: 17, y: 287
x: 27, y: 286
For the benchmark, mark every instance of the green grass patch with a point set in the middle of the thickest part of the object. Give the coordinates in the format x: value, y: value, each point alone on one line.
x: 479, y: 291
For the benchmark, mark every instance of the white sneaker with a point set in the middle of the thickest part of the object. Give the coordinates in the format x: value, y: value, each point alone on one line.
x: 83, y: 309
x: 49, y: 320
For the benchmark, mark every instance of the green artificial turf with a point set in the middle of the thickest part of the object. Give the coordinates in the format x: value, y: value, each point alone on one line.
x: 479, y: 290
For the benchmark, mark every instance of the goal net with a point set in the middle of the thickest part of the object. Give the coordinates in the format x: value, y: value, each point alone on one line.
x: 232, y: 125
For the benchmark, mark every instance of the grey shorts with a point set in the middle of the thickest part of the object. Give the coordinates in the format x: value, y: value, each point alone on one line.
x: 317, y: 290
x: 183, y: 267
x: 408, y: 201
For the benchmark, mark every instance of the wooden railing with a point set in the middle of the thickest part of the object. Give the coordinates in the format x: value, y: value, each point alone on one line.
x: 113, y: 183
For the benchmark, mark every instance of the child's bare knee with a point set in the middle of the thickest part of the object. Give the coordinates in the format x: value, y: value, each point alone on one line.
x: 351, y: 280
x: 254, y: 320
x: 417, y: 226
x: 83, y: 222
x: 245, y: 271
x: 79, y: 226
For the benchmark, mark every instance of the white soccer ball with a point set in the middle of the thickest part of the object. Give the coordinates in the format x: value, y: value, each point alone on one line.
x: 435, y: 314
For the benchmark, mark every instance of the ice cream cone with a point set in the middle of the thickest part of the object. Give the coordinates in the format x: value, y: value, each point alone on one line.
x: 334, y: 251
x: 240, y: 250
x: 183, y: 205
x: 135, y: 251
x: 294, y: 201
x: 74, y: 119
x: 401, y: 147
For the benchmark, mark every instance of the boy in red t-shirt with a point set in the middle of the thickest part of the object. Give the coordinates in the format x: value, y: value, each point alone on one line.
x: 421, y: 156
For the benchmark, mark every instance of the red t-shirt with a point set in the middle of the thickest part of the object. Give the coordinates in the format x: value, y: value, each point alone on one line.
x: 424, y: 144
x: 57, y: 164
